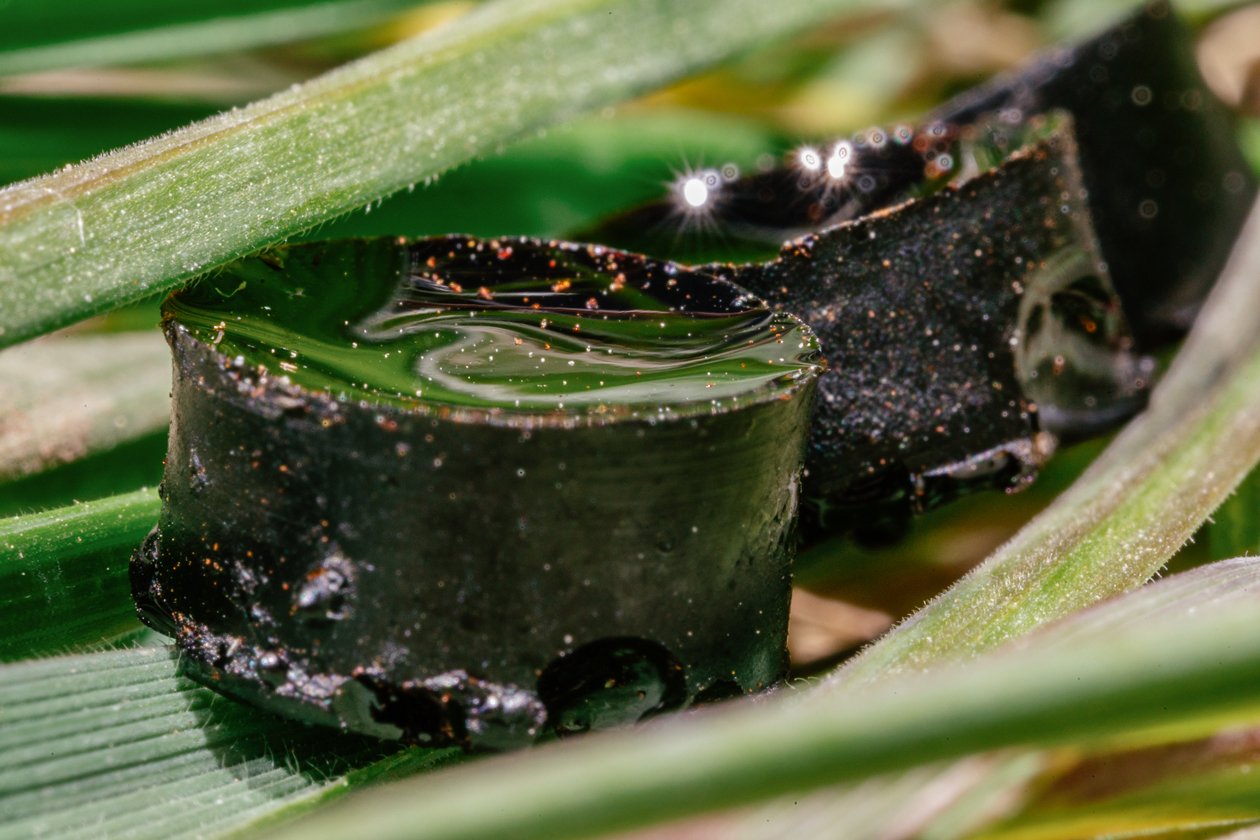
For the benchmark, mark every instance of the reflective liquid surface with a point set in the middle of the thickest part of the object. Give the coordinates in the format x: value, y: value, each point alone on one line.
x: 501, y: 326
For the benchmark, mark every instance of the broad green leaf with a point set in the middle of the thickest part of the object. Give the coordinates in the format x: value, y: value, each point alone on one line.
x: 118, y: 744
x: 46, y: 35
x: 68, y: 397
x: 63, y: 574
x: 142, y: 219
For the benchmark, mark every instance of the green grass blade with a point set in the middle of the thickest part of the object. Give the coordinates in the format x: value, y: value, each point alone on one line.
x: 63, y: 574
x: 92, y: 237
x: 218, y: 32
x: 118, y: 744
x: 63, y: 399
x: 568, y: 179
x: 1126, y: 677
x: 944, y: 801
x: 1170, y: 785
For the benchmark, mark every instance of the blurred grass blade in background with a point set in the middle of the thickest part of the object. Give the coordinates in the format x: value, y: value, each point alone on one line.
x: 40, y: 23
x: 39, y: 135
x: 215, y: 29
x: 63, y: 574
x: 1235, y: 527
x: 130, y: 465
x: 139, y: 220
x: 72, y: 396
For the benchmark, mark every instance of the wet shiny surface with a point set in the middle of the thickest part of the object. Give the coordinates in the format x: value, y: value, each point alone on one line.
x: 500, y: 326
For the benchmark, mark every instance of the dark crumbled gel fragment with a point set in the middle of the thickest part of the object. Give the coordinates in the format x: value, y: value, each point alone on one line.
x: 956, y: 329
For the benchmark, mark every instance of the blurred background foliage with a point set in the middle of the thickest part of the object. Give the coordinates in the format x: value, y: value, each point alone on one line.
x: 65, y: 96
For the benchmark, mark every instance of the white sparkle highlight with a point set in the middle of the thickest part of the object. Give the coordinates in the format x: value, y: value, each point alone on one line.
x: 809, y: 158
x: 841, y: 155
x: 694, y: 192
